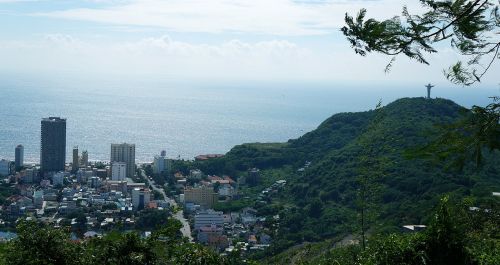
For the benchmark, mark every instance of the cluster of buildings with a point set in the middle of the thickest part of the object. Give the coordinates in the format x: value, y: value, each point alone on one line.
x: 226, y: 231
x: 55, y: 192
x: 266, y: 195
x: 200, y: 195
x: 6, y: 166
x: 57, y: 199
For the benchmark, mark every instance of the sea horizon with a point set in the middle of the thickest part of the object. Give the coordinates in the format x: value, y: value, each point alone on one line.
x: 188, y: 118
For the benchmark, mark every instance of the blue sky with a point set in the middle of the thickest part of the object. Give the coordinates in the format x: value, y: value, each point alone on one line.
x: 201, y: 39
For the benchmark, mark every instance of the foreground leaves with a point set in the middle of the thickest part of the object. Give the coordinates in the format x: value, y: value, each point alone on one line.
x: 470, y: 26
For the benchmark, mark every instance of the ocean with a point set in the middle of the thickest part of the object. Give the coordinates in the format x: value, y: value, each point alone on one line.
x: 185, y: 118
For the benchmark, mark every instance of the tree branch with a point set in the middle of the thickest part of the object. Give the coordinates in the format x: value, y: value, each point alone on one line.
x: 478, y: 78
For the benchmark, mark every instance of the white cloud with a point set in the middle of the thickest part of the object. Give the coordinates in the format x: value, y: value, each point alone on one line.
x: 276, y: 17
x: 232, y: 59
x: 166, y: 58
x: 224, y: 56
x: 234, y: 49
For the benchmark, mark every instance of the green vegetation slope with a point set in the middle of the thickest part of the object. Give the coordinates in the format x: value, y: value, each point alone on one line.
x: 322, y: 201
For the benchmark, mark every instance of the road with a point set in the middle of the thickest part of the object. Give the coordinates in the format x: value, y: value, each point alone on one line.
x: 179, y: 215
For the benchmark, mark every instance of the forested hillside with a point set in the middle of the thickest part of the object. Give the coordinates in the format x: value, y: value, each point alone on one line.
x: 369, y: 150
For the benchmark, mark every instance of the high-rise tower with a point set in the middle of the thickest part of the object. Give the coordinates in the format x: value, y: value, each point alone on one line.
x: 53, y: 144
x: 19, y: 156
x: 124, y: 153
x: 161, y: 163
x: 76, y: 162
x: 85, y: 158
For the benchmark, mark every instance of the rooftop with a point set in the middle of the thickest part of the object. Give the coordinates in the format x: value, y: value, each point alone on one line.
x: 54, y: 119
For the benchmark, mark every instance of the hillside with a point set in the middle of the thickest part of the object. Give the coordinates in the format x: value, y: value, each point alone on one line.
x: 321, y: 201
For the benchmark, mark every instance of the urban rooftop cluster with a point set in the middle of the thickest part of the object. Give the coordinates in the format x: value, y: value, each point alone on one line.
x: 93, y: 198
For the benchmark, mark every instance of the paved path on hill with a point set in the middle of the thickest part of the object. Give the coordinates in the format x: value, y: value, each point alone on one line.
x: 179, y: 215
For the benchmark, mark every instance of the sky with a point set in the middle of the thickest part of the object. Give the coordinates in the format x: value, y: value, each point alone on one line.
x: 259, y: 40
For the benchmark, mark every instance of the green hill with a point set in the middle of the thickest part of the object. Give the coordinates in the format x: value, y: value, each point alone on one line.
x: 320, y: 202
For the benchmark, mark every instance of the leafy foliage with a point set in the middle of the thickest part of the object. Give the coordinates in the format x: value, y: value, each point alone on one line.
x: 6, y: 190
x: 456, y: 235
x: 468, y: 139
x: 471, y: 26
x: 150, y: 219
x: 38, y: 244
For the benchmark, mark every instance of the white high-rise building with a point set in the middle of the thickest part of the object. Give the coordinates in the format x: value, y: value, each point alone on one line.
x: 124, y: 153
x: 140, y: 198
x: 161, y: 163
x: 118, y: 171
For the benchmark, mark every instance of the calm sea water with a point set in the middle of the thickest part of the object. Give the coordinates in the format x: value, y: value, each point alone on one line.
x: 184, y: 118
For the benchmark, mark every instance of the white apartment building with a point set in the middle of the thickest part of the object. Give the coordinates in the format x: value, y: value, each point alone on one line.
x: 124, y: 153
x: 118, y: 171
x: 208, y: 218
x: 161, y: 164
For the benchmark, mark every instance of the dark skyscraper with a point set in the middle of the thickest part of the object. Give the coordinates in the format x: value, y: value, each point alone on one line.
x: 53, y: 144
x: 19, y: 156
x: 76, y: 161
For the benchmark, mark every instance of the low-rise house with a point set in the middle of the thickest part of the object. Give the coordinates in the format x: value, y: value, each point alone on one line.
x: 227, y: 219
x: 204, y: 232
x: 226, y: 190
x: 248, y: 219
x: 252, y: 239
x: 13, y: 209
x: 67, y: 207
x: 265, y: 239
x: 195, y: 174
x: 50, y: 195
x: 413, y: 228
x: 91, y: 234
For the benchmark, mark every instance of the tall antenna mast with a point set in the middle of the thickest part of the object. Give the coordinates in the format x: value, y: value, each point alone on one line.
x: 429, y: 87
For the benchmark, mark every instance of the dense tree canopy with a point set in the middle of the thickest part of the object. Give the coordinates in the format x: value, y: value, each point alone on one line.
x: 455, y: 235
x: 39, y: 244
